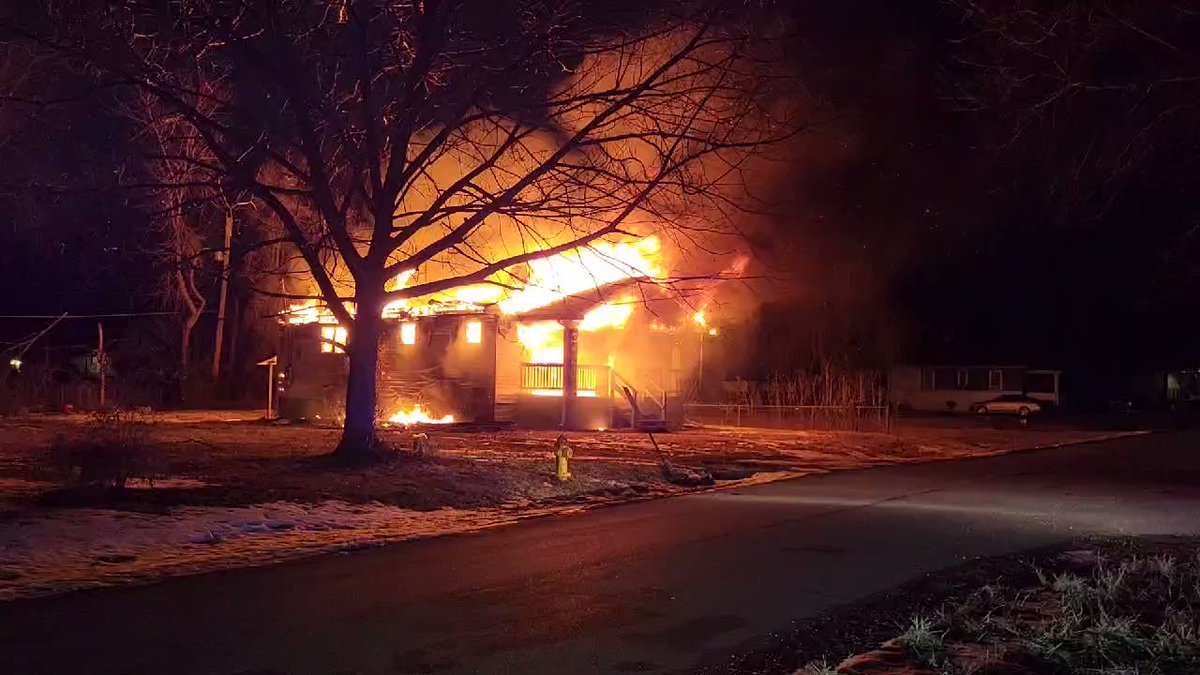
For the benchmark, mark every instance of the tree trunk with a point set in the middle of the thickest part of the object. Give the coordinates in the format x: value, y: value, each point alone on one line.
x: 194, y: 310
x: 185, y: 352
x: 358, y: 435
x: 234, y: 386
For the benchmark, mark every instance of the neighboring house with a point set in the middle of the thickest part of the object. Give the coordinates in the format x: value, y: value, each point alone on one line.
x: 930, y: 388
x: 1176, y: 387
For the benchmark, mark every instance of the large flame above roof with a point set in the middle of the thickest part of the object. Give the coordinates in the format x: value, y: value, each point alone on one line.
x: 579, y: 271
x: 546, y: 281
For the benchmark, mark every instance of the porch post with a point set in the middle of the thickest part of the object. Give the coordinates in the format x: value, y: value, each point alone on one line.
x: 570, y: 376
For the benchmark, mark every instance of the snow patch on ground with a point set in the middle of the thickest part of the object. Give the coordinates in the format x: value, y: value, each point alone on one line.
x: 165, y: 484
x: 46, y: 551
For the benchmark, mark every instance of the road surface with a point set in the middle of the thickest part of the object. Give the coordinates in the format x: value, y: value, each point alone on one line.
x: 654, y: 587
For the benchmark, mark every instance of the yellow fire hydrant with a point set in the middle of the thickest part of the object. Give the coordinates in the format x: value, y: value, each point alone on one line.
x: 562, y: 452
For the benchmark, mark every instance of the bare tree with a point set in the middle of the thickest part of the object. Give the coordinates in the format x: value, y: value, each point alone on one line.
x: 1083, y: 95
x: 454, y: 141
x: 21, y: 64
x: 171, y: 150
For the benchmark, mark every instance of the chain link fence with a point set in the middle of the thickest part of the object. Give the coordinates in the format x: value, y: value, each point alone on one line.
x: 804, y: 417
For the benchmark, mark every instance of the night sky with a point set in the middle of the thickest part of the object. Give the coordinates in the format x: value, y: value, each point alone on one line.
x: 905, y: 227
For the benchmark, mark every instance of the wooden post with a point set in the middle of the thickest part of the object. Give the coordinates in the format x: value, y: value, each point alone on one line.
x: 226, y: 260
x: 570, y: 376
x: 271, y: 391
x: 101, y: 362
x: 270, y: 364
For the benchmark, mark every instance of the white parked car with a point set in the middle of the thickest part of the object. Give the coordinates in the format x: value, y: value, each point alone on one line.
x: 1009, y: 404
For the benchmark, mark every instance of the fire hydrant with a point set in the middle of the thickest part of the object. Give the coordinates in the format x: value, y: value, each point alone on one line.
x: 562, y: 452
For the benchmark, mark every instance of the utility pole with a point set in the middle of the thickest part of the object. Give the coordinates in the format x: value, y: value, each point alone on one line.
x: 226, y: 263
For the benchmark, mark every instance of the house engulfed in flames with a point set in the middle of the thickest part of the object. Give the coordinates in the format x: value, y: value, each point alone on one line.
x: 592, y: 340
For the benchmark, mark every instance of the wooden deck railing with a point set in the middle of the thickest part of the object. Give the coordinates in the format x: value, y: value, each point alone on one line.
x: 548, y: 377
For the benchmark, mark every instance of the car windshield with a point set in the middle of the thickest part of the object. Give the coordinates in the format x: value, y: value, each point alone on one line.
x: 1012, y: 398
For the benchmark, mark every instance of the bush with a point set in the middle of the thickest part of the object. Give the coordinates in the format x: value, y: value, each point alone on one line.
x: 112, y: 448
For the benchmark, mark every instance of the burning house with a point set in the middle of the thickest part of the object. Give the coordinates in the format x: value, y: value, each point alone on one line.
x: 591, y: 340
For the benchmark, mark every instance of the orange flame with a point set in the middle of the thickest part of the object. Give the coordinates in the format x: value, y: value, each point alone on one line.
x: 550, y: 280
x: 560, y: 276
x: 544, y: 339
x: 418, y: 415
x: 608, y: 315
x: 309, y: 311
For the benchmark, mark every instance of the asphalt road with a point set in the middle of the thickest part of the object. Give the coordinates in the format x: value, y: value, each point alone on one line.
x: 654, y: 587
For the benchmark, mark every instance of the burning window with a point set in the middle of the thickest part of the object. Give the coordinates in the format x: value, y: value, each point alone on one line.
x: 408, y: 333
x: 331, y: 335
x: 474, y: 332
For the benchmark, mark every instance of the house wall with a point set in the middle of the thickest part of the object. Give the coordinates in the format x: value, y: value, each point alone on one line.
x: 545, y: 412
x: 312, y: 383
x: 441, y: 370
x: 448, y: 374
x: 509, y: 357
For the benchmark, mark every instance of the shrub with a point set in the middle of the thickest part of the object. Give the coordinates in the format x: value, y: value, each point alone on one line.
x: 112, y: 448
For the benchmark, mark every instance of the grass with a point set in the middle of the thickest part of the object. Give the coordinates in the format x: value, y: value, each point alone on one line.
x: 231, y: 463
x: 1134, y: 607
x: 821, y: 667
x: 1126, y: 613
x: 924, y: 641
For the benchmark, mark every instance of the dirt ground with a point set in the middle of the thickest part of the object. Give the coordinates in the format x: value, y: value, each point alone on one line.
x: 230, y: 490
x: 234, y: 459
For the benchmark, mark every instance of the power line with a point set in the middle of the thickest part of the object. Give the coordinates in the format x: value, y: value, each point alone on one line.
x: 87, y: 316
